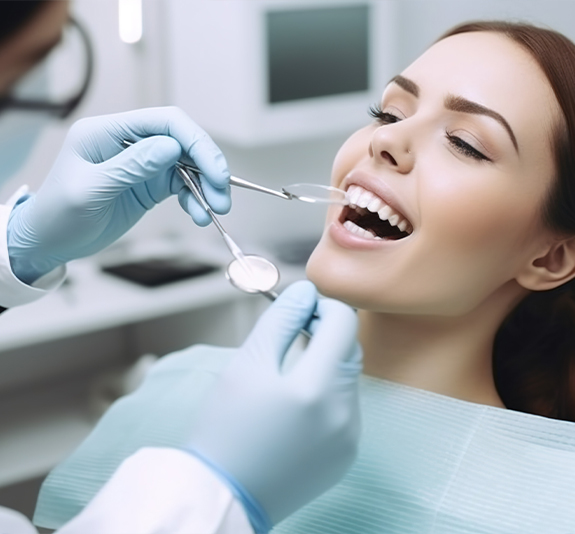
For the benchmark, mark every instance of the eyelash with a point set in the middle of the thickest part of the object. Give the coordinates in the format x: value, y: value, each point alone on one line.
x: 456, y: 142
x: 382, y: 116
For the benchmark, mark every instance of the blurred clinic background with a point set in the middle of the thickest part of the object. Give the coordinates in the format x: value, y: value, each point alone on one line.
x: 279, y: 85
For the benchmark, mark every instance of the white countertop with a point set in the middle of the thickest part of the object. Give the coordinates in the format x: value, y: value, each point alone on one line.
x: 92, y: 300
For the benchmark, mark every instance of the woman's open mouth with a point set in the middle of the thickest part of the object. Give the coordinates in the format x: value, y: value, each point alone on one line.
x: 368, y: 216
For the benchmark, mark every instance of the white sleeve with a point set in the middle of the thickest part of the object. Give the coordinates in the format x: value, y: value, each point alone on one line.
x: 14, y: 292
x: 13, y: 522
x: 162, y: 491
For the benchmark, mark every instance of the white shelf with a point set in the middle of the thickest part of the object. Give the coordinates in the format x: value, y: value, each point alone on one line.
x: 93, y: 301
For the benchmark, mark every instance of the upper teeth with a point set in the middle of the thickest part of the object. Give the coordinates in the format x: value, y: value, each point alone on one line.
x: 358, y: 196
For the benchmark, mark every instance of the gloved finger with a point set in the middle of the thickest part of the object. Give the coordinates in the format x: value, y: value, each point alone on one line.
x: 354, y: 362
x: 197, y: 145
x: 281, y: 323
x: 334, y: 340
x: 220, y: 203
x: 145, y: 160
x: 192, y: 207
x: 210, y: 160
x: 219, y: 198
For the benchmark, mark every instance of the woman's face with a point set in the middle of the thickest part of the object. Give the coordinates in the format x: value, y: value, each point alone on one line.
x: 451, y: 177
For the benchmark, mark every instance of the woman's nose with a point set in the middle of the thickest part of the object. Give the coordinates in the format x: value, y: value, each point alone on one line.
x: 391, y: 147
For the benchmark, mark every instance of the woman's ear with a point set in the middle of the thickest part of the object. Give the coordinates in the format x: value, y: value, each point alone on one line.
x: 552, y: 269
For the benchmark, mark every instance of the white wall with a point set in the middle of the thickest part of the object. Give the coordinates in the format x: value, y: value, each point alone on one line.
x: 423, y: 21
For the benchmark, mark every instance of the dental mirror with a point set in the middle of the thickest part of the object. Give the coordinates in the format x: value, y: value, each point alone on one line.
x: 254, y: 275
x: 316, y: 194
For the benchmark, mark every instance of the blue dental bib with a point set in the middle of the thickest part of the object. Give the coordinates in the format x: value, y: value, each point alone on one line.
x: 428, y: 464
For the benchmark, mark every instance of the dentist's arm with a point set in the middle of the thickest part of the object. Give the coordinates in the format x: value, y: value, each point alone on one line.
x: 269, y: 439
x: 98, y: 189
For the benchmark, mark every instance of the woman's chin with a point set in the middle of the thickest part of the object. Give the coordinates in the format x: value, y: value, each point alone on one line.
x: 329, y: 280
x: 323, y: 279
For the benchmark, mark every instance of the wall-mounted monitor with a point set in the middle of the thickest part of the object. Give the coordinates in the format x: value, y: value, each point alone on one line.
x: 267, y: 71
x: 312, y: 53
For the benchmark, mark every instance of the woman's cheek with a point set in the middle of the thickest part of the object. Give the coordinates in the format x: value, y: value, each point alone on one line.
x: 464, y: 206
x: 350, y: 154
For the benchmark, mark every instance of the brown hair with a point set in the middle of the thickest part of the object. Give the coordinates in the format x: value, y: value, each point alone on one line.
x: 14, y: 14
x: 534, y: 350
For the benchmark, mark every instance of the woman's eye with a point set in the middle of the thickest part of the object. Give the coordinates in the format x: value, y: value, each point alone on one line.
x: 384, y: 117
x: 465, y: 148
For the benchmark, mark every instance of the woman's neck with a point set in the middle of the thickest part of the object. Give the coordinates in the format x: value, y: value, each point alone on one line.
x: 447, y: 355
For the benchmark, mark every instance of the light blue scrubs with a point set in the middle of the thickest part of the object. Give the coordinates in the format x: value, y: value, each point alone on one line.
x: 428, y: 464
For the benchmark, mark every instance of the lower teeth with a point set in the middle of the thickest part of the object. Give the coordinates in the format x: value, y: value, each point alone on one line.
x: 358, y: 230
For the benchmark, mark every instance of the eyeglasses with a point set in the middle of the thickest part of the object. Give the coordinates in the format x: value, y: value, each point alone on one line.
x: 74, y: 58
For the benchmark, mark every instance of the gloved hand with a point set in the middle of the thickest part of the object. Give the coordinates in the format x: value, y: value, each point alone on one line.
x: 280, y: 438
x: 98, y: 189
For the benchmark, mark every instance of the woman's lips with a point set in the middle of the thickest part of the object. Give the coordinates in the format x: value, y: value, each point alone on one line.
x: 375, y: 216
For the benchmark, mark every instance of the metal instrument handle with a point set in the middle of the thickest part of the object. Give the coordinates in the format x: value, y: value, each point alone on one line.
x: 234, y: 180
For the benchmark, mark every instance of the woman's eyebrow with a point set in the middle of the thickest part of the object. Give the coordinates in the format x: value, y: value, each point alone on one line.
x: 462, y: 105
x: 406, y: 84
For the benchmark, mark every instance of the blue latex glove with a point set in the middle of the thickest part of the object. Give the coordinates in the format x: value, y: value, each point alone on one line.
x: 98, y: 189
x: 279, y: 437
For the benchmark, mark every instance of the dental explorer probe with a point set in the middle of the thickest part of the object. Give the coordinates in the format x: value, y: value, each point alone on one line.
x: 305, y: 192
x: 234, y: 180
